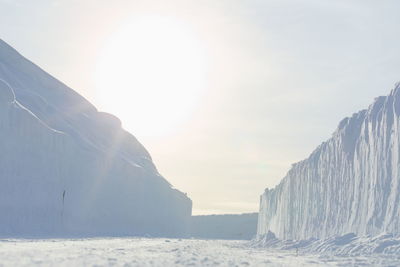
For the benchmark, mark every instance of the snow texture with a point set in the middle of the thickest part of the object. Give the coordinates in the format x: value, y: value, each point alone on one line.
x: 68, y: 170
x: 349, y: 184
x: 348, y: 245
x: 166, y: 252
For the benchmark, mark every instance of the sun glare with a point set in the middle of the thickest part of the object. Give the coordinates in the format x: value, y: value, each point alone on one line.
x: 151, y: 74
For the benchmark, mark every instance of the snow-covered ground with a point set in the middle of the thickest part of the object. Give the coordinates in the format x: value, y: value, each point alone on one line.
x: 165, y: 252
x: 345, y: 245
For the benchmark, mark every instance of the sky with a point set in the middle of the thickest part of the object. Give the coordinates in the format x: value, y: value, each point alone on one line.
x: 271, y: 79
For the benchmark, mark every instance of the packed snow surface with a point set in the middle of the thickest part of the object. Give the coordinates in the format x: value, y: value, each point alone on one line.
x: 165, y: 252
x: 67, y: 169
x: 349, y: 184
x: 345, y: 245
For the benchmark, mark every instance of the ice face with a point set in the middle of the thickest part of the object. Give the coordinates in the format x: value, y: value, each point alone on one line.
x: 6, y: 93
x: 349, y: 184
x: 67, y: 169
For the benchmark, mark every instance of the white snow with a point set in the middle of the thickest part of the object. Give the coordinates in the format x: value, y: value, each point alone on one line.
x: 54, y: 143
x: 349, y: 184
x: 165, y: 252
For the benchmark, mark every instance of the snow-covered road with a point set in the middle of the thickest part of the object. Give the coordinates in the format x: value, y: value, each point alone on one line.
x: 163, y: 252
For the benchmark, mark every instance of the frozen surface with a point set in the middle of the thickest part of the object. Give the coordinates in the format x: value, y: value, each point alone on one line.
x: 345, y: 245
x: 349, y: 184
x: 165, y: 252
x: 68, y: 170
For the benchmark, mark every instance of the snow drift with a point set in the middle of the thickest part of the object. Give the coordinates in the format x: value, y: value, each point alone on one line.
x: 67, y: 169
x: 349, y: 184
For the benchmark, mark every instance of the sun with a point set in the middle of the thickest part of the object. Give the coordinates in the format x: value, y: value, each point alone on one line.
x: 151, y: 74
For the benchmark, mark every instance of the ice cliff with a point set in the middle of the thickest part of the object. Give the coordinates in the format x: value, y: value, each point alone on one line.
x: 68, y: 170
x: 349, y: 184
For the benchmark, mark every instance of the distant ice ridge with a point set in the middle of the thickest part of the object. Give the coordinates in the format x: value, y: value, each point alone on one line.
x: 224, y: 226
x: 68, y: 170
x: 349, y: 184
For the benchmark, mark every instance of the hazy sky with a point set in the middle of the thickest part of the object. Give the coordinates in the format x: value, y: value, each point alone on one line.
x: 280, y: 75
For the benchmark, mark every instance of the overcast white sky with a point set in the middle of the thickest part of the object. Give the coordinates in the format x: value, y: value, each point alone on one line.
x: 283, y: 74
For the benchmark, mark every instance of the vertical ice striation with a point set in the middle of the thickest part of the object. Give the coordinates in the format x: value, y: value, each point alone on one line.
x: 67, y: 169
x: 349, y: 184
